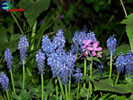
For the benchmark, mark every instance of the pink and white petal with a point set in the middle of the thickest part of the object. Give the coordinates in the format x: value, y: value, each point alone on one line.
x: 84, y: 42
x: 89, y: 48
x: 83, y: 47
x: 99, y: 49
x: 88, y: 42
x: 95, y: 44
x: 94, y: 53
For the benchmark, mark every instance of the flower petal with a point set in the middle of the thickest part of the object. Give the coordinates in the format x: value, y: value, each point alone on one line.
x: 95, y: 44
x: 84, y: 42
x: 94, y: 53
x: 89, y: 48
x: 99, y: 49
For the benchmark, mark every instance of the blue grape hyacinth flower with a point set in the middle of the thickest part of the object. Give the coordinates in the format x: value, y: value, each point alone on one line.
x: 22, y: 46
x: 59, y: 40
x: 111, y: 45
x: 120, y: 63
x: 61, y: 65
x: 54, y: 61
x: 8, y: 57
x: 47, y: 45
x: 4, y: 81
x: 91, y: 36
x: 129, y: 63
x: 78, y: 75
x: 40, y: 57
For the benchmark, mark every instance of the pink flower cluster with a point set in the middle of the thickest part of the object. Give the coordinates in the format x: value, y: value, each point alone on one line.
x: 91, y: 48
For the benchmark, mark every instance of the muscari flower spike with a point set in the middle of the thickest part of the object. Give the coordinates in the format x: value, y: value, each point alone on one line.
x: 91, y: 36
x: 78, y: 75
x: 62, y: 65
x: 40, y: 57
x: 111, y: 45
x: 47, y: 45
x: 8, y: 57
x: 22, y: 46
x: 129, y: 63
x: 59, y: 40
x: 4, y: 81
x: 120, y: 63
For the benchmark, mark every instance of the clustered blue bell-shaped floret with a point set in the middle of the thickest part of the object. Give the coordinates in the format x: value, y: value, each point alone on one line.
x: 22, y: 46
x: 85, y: 28
x: 64, y: 74
x: 8, y: 57
x: 4, y: 81
x: 61, y: 65
x: 78, y: 75
x: 129, y: 63
x: 54, y: 61
x: 40, y: 57
x: 59, y: 40
x: 47, y: 45
x: 75, y: 45
x: 120, y: 63
x: 111, y: 45
x: 91, y: 36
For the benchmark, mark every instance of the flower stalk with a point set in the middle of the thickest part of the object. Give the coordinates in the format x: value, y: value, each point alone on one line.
x: 42, y: 86
x: 110, y: 73
x: 84, y: 71
x: 7, y: 94
x: 12, y: 79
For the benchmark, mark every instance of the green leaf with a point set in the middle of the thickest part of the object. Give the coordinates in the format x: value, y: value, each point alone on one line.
x: 33, y: 9
x: 107, y: 85
x: 24, y: 95
x: 129, y: 28
x: 83, y: 92
x: 3, y: 34
x: 122, y: 48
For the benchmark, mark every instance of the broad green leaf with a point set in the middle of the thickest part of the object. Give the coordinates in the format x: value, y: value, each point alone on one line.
x: 83, y: 92
x: 107, y: 85
x: 24, y: 95
x: 122, y: 48
x: 129, y: 29
x: 33, y: 9
x: 3, y: 34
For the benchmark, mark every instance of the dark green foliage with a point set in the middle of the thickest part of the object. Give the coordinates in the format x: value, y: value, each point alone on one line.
x: 42, y: 17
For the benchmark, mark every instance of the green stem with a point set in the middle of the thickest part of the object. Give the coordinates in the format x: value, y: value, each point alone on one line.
x: 23, y: 76
x: 4, y: 96
x: 61, y: 97
x: 109, y: 1
x: 117, y: 79
x: 90, y: 84
x: 42, y: 85
x: 69, y: 88
x: 66, y: 92
x: 56, y: 89
x: 17, y: 23
x: 84, y: 71
x: 78, y: 91
x: 110, y: 65
x: 62, y: 90
x: 12, y: 81
x: 7, y: 94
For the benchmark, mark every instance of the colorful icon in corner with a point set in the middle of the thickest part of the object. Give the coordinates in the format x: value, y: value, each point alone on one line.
x: 5, y: 5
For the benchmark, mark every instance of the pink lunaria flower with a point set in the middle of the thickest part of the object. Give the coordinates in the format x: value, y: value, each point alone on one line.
x: 86, y: 43
x: 96, y: 48
x: 91, y: 47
